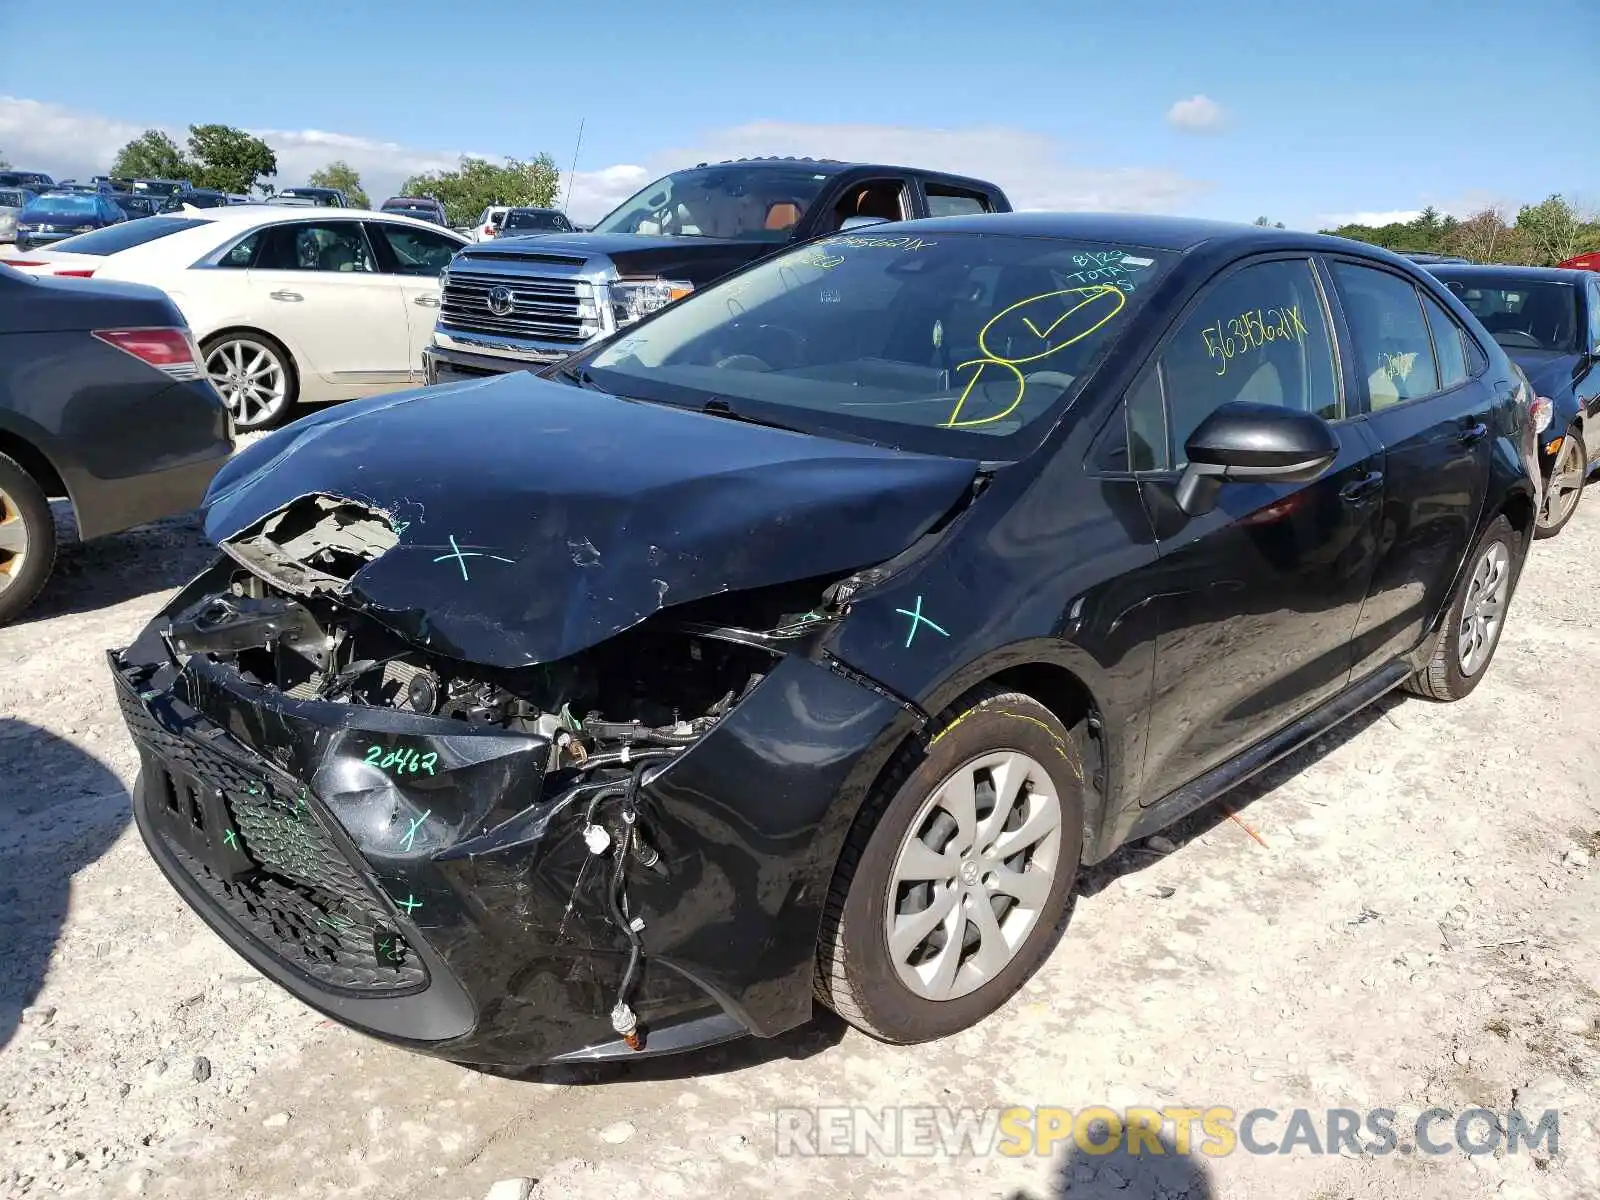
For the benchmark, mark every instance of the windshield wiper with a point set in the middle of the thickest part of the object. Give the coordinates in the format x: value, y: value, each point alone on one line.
x: 580, y: 375
x: 717, y: 407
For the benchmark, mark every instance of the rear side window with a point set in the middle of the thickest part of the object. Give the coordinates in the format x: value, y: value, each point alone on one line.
x: 1258, y: 336
x: 1449, y: 344
x: 1393, y: 350
x: 953, y: 202
x: 244, y: 253
x: 126, y: 236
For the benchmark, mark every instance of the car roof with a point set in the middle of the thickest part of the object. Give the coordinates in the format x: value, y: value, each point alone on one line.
x: 1180, y: 234
x: 245, y: 216
x: 1491, y: 271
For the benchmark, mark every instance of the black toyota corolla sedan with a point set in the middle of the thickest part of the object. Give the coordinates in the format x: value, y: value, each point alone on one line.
x: 802, y: 642
x: 1548, y: 322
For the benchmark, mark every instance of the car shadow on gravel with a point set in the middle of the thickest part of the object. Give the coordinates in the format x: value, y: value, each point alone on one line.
x: 119, y: 566
x: 60, y: 810
x: 1135, y: 856
x: 1165, y: 1173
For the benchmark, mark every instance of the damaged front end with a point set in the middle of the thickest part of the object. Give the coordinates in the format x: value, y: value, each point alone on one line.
x: 609, y: 852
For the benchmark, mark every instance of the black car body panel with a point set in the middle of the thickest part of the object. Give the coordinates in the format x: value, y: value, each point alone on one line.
x: 127, y: 443
x: 566, y: 534
x: 1195, y: 649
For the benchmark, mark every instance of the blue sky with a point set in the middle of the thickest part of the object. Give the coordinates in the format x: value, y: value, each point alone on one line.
x: 1298, y: 110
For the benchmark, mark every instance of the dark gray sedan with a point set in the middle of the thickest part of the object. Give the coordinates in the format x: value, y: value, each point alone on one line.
x: 102, y: 402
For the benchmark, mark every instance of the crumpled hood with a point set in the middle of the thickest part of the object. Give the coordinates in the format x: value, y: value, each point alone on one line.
x: 535, y: 519
x: 1550, y: 372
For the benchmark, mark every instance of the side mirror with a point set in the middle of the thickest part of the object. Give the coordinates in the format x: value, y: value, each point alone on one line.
x: 858, y: 222
x: 1259, y: 442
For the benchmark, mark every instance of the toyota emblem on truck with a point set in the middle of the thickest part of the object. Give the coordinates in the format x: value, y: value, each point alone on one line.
x: 500, y: 301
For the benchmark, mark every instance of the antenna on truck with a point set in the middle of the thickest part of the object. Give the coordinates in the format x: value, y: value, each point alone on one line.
x: 566, y: 204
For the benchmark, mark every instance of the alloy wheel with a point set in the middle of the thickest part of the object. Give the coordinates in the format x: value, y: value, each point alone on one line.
x: 1566, y: 483
x: 251, y: 380
x: 13, y: 541
x: 1484, y: 608
x: 972, y: 875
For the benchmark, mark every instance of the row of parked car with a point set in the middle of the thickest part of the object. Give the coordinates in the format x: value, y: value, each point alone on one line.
x: 987, y: 540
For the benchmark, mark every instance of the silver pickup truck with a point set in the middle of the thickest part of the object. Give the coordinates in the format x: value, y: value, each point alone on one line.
x: 515, y: 303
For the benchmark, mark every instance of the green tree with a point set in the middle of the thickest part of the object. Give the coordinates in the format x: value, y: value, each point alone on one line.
x: 229, y: 159
x: 340, y: 174
x: 478, y: 183
x: 1268, y: 223
x: 1553, y: 229
x: 151, y: 155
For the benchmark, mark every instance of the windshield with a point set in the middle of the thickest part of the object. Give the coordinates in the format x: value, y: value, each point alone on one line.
x: 944, y: 342
x: 1528, y: 314
x: 522, y: 219
x: 760, y: 204
x: 46, y: 208
x: 127, y: 235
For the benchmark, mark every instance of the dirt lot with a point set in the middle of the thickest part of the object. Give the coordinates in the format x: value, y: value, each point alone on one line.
x: 1417, y: 930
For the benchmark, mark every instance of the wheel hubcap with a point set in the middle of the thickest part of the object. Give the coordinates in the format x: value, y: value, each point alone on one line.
x: 1484, y: 608
x: 973, y: 874
x: 250, y: 379
x: 13, y: 541
x: 1566, y: 484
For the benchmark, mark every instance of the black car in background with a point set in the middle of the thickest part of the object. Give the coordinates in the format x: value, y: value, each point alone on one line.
x: 802, y: 641
x: 424, y: 208
x: 135, y: 205
x: 102, y: 402
x: 54, y: 215
x: 198, y: 198
x: 320, y: 197
x: 1548, y: 320
x: 520, y: 222
x: 34, y: 181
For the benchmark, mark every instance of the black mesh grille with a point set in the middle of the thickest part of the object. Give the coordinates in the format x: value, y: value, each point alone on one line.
x: 297, y: 894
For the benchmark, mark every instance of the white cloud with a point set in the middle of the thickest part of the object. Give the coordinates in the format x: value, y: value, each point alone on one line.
x: 1197, y: 114
x: 1033, y: 168
x: 1394, y: 216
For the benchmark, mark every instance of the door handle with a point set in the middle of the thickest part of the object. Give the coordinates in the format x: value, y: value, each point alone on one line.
x: 292, y: 296
x: 426, y: 301
x: 1474, y: 434
x: 1363, y: 488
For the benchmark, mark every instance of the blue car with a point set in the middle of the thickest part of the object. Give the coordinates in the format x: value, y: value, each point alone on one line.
x: 53, y: 216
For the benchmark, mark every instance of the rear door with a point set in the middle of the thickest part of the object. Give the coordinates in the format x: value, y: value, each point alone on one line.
x: 1257, y: 599
x: 415, y: 257
x: 1425, y: 396
x: 317, y: 286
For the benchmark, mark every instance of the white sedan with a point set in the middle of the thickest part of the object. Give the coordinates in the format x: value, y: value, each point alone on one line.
x: 287, y: 304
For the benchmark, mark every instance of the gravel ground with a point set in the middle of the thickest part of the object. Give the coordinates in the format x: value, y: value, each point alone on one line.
x: 1413, y: 928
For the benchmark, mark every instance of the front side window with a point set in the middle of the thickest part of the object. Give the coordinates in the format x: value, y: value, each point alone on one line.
x: 736, y: 201
x: 1259, y: 336
x: 1393, y: 349
x: 950, y: 344
x: 335, y: 246
x: 1593, y: 297
x: 417, y: 251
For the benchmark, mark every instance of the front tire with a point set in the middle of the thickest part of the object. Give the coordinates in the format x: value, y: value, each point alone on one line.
x: 957, y: 875
x: 255, y: 377
x: 1565, y: 488
x: 1472, y: 627
x: 27, y: 539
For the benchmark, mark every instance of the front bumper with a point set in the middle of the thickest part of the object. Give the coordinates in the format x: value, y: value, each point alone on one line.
x: 449, y: 364
x: 449, y: 906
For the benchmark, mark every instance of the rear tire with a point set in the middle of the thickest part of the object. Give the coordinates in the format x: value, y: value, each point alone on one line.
x: 27, y: 539
x: 255, y: 376
x: 1000, y: 877
x: 1465, y: 646
x: 1565, y: 488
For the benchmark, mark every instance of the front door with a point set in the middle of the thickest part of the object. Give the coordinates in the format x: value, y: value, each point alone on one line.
x: 1258, y: 598
x: 1435, y: 421
x: 318, y: 285
x: 414, y: 257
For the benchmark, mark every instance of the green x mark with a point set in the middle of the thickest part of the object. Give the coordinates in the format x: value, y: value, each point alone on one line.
x: 228, y: 839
